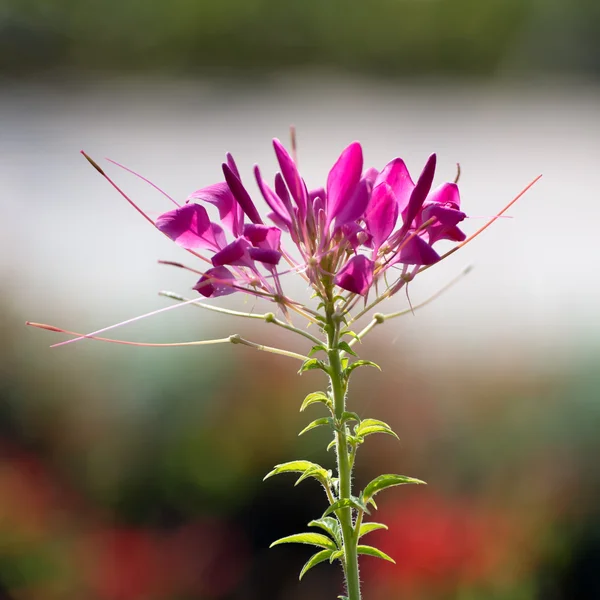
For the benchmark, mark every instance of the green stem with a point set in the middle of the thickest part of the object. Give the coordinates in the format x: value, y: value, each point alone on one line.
x: 338, y: 388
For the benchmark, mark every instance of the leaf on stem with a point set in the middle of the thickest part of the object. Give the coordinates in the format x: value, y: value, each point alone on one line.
x: 315, y: 559
x: 317, y: 423
x: 359, y: 363
x: 385, y: 481
x: 319, y: 474
x: 315, y: 349
x: 295, y: 466
x: 314, y: 539
x: 331, y: 526
x: 313, y: 363
x: 371, y: 551
x: 314, y: 398
x: 352, y: 502
x: 349, y: 416
x: 346, y: 348
x: 368, y: 527
x: 370, y: 426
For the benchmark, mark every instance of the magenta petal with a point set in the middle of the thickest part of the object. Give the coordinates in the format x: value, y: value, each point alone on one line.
x: 357, y: 275
x: 262, y: 236
x: 357, y: 203
x: 420, y: 192
x: 220, y: 196
x: 343, y: 179
x: 446, y: 194
x: 240, y: 194
x: 396, y: 175
x: 235, y: 253
x: 416, y: 251
x: 264, y: 255
x: 289, y: 170
x: 382, y: 214
x: 188, y: 226
x: 216, y: 282
x: 272, y: 199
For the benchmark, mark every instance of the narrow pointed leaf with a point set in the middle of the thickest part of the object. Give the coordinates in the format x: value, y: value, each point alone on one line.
x: 360, y: 363
x: 331, y: 526
x: 370, y: 551
x: 314, y: 539
x: 385, y: 481
x: 350, y: 416
x: 331, y: 445
x: 314, y: 398
x: 368, y: 527
x: 319, y: 474
x: 315, y: 559
x: 355, y: 503
x: 365, y: 431
x: 295, y: 466
x: 338, y: 555
x: 352, y: 334
x: 346, y: 348
x: 312, y: 363
x: 316, y: 349
x: 317, y: 423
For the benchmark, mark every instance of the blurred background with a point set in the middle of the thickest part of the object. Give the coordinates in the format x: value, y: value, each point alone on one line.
x: 135, y: 473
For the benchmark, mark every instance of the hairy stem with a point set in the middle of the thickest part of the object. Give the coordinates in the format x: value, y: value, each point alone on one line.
x: 338, y: 389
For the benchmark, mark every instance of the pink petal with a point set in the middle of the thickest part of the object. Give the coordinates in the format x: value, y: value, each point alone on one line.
x: 290, y: 173
x: 220, y: 196
x: 343, y: 179
x: 240, y: 194
x: 235, y: 253
x: 272, y: 199
x: 357, y: 275
x: 382, y: 214
x: 417, y: 251
x: 220, y: 279
x: 396, y: 175
x: 190, y: 227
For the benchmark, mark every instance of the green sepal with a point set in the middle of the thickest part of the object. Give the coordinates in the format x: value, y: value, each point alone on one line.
x: 313, y: 363
x: 314, y: 539
x: 370, y: 551
x: 359, y: 363
x: 353, y: 502
x: 314, y: 398
x: 317, y: 423
x: 385, y: 481
x: 294, y: 466
x: 315, y: 349
x: 370, y: 426
x: 368, y: 527
x: 345, y: 346
x: 338, y: 554
x: 315, y: 559
x: 331, y: 526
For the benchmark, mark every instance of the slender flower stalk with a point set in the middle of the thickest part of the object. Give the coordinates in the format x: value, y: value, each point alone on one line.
x: 357, y: 241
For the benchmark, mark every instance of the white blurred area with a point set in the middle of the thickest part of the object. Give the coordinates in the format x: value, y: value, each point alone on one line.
x: 73, y: 253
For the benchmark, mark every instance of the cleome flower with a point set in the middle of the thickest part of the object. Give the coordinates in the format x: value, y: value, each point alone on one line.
x: 362, y: 224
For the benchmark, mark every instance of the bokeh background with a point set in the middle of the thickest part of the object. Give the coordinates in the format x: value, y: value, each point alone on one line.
x: 135, y: 473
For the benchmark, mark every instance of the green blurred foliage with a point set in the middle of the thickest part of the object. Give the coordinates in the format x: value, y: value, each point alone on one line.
x: 381, y: 36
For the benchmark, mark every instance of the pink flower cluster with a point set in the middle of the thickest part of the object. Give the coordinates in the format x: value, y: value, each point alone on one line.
x: 363, y: 223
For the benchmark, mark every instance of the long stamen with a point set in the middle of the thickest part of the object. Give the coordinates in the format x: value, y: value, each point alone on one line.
x: 114, y: 162
x: 125, y: 342
x: 127, y: 322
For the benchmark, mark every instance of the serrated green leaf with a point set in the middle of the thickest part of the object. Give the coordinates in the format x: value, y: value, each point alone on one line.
x: 319, y: 474
x: 385, y: 481
x: 317, y: 423
x: 315, y: 559
x: 368, y: 527
x: 352, y: 334
x: 370, y: 551
x: 331, y: 526
x: 338, y: 554
x: 359, y: 363
x: 370, y: 426
x: 315, y: 349
x: 353, y: 502
x: 345, y: 346
x: 314, y: 398
x: 312, y: 363
x: 314, y: 539
x: 294, y: 466
x: 349, y: 416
